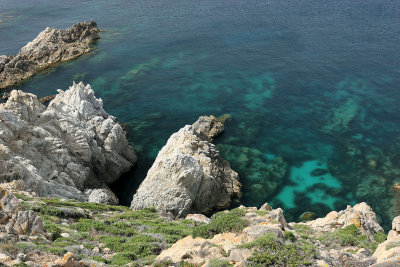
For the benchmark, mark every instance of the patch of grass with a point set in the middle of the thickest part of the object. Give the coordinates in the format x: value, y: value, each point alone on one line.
x: 303, y: 229
x: 122, y: 258
x: 349, y: 236
x: 223, y: 222
x: 100, y: 259
x: 113, y: 242
x: 262, y: 212
x: 23, y: 197
x: 219, y: 263
x: 270, y: 251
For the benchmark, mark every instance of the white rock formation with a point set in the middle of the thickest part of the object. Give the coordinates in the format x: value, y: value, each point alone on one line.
x: 59, y: 151
x: 49, y: 47
x: 189, y: 175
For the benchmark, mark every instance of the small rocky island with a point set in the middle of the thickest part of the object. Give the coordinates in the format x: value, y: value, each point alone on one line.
x: 51, y: 46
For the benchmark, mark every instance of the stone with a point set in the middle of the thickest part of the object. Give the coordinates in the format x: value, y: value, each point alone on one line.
x: 65, y: 148
x: 361, y: 215
x: 103, y: 195
x: 200, y: 218
x: 189, y: 175
x: 266, y: 206
x: 15, y: 221
x: 252, y: 232
x: 51, y: 46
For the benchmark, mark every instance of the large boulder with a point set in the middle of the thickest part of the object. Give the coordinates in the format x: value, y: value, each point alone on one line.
x: 61, y: 150
x: 189, y: 175
x: 49, y: 47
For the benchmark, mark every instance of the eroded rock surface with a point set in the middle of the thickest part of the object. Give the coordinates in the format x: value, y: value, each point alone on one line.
x: 189, y: 175
x: 49, y: 47
x: 61, y: 150
x: 14, y: 221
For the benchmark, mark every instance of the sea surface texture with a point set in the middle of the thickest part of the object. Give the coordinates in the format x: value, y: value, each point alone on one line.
x: 312, y: 88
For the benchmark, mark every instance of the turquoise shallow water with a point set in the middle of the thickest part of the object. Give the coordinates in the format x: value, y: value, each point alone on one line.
x: 311, y: 85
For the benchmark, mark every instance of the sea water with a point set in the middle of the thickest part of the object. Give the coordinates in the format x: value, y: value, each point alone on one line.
x: 309, y: 85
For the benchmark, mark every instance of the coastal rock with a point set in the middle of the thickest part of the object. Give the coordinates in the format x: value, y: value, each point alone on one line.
x: 361, y: 215
x: 102, y: 195
x: 389, y: 250
x: 61, y: 150
x: 189, y: 175
x: 14, y: 221
x: 49, y: 47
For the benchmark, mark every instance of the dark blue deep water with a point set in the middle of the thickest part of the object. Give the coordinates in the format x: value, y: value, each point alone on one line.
x: 312, y: 88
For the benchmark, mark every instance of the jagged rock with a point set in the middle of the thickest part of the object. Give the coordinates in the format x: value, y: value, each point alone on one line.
x: 189, y: 175
x: 208, y: 127
x: 59, y: 151
x: 266, y: 206
x: 102, y: 195
x: 361, y: 215
x: 49, y: 47
x: 14, y: 221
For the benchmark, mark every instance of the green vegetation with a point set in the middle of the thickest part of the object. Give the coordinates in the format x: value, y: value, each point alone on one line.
x: 219, y: 263
x: 135, y: 236
x: 270, y: 251
x: 231, y: 221
x: 262, y: 212
x: 351, y: 236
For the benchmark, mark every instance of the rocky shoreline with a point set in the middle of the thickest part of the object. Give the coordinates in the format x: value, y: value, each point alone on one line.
x: 66, y: 149
x: 51, y: 46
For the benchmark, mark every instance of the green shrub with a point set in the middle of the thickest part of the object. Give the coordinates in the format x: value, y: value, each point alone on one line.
x: 223, y: 222
x: 113, y: 242
x: 380, y: 237
x: 288, y: 235
x: 350, y: 236
x: 270, y: 251
x: 122, y: 258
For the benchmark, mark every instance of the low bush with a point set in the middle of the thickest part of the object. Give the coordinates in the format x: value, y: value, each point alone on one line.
x: 231, y: 221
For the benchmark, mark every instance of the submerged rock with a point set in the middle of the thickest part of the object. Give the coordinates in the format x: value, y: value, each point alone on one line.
x: 189, y: 175
x: 61, y: 150
x: 49, y: 47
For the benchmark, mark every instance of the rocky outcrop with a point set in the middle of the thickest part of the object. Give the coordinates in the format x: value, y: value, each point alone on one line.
x: 51, y: 46
x: 14, y: 221
x: 61, y: 150
x: 361, y: 215
x: 189, y: 175
x: 388, y: 252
